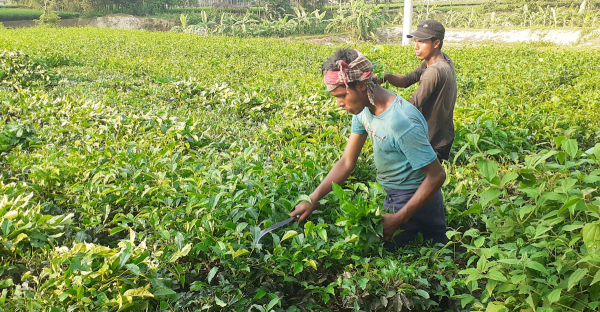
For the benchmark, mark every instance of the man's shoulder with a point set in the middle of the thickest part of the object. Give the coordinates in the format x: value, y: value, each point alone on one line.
x: 405, y: 116
x: 445, y: 62
x: 440, y: 69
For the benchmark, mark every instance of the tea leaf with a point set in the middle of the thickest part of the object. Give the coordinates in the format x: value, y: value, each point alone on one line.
x: 212, y: 273
x: 138, y: 292
x: 289, y: 234
x: 496, y: 275
x: 596, y: 278
x: 576, y: 277
x: 570, y: 147
x: 488, y: 168
x: 554, y: 296
x: 591, y: 236
x: 220, y: 302
x: 487, y: 196
x: 536, y: 266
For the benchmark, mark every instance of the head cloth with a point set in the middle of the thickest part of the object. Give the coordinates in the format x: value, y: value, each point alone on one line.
x: 361, y: 69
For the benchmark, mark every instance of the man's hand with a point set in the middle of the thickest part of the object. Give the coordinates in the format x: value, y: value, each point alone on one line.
x: 304, y: 210
x: 391, y: 221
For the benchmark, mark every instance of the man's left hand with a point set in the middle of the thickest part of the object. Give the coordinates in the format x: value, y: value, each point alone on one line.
x: 391, y: 221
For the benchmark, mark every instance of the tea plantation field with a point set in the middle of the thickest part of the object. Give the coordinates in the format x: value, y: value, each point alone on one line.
x: 136, y: 169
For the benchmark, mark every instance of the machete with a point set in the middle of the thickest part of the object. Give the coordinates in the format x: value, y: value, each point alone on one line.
x: 274, y: 227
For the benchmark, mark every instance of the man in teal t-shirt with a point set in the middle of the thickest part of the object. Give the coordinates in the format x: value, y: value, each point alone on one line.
x: 407, y: 166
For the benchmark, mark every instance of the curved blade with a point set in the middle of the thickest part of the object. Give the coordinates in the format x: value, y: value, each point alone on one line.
x: 274, y: 227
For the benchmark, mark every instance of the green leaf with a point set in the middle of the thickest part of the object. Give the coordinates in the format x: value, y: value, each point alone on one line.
x: 422, y: 293
x: 212, y: 273
x: 125, y: 254
x: 591, y: 236
x: 529, y: 301
x: 568, y: 204
x: 509, y: 177
x: 572, y: 227
x: 298, y: 267
x: 133, y: 268
x: 260, y: 293
x: 525, y: 210
x: 304, y: 197
x: 66, y: 295
x: 495, y: 307
x: 596, y: 278
x: 554, y: 296
x: 362, y: 283
x: 240, y: 252
x: 220, y: 302
x: 451, y: 233
x: 272, y: 303
x: 337, y: 191
x: 570, y: 147
x: 496, y: 275
x: 472, y: 232
x: 289, y: 234
x: 597, y: 150
x: 514, y: 262
x: 469, y: 271
x: 488, y: 168
x: 141, y: 292
x: 479, y: 241
x: 163, y: 292
x: 487, y: 196
x: 536, y: 266
x: 576, y: 277
x: 322, y: 233
x: 466, y: 299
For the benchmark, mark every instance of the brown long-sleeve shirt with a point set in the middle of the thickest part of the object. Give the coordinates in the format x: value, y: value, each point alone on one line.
x: 435, y: 98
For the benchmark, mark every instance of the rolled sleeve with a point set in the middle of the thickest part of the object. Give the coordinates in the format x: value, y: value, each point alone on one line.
x: 416, y: 147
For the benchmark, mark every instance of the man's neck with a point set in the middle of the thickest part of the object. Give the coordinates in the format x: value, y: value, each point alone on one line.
x: 437, y: 55
x: 383, y: 100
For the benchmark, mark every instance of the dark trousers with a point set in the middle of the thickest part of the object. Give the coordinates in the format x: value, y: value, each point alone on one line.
x: 429, y: 220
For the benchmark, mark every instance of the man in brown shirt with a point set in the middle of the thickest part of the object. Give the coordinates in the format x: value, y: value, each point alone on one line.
x: 436, y: 95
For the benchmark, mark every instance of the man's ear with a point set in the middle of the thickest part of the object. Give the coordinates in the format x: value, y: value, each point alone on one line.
x: 361, y: 86
x: 437, y: 43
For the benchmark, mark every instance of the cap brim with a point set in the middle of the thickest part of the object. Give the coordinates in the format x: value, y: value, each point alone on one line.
x: 419, y: 35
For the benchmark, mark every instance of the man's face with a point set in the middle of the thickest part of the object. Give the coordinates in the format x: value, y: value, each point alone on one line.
x: 351, y: 100
x: 424, y: 48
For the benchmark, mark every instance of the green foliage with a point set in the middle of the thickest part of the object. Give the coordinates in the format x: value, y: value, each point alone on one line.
x: 27, y: 14
x: 360, y: 214
x: 142, y: 179
x: 249, y: 25
x: 48, y: 19
x: 540, y: 244
x: 360, y: 19
x: 18, y: 70
x: 16, y: 134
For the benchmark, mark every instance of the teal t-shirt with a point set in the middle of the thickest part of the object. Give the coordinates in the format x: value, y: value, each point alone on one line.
x: 400, y: 144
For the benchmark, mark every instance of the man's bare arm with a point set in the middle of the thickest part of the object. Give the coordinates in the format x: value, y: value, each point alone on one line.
x: 338, y: 174
x: 399, y: 81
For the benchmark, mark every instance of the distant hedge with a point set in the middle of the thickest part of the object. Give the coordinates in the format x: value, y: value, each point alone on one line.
x: 12, y: 14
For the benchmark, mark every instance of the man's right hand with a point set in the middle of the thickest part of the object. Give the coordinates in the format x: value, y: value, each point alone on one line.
x: 304, y: 210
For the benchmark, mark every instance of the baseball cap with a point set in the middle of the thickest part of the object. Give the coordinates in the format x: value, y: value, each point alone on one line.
x: 428, y: 29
